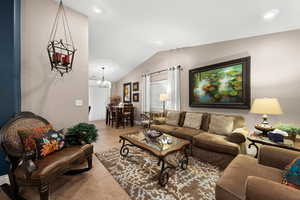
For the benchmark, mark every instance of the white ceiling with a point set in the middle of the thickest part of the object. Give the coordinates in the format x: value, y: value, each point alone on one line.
x: 127, y: 32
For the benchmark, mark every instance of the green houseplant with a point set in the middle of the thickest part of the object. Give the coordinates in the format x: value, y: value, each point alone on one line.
x: 82, y: 133
x: 291, y: 129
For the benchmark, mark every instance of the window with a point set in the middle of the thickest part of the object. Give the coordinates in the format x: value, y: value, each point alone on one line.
x: 157, y: 88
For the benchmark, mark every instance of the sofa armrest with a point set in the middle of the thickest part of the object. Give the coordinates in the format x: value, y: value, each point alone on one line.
x: 276, y: 157
x: 244, y: 131
x: 263, y: 189
x: 238, y: 136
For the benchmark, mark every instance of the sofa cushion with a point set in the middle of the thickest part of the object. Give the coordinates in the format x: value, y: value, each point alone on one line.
x: 185, y: 133
x: 192, y: 120
x: 165, y: 128
x: 216, y: 143
x: 238, y: 120
x: 182, y: 118
x: 205, y: 121
x: 173, y: 118
x: 222, y: 125
x: 232, y: 183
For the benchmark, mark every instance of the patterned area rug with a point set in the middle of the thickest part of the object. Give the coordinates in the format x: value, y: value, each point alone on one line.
x: 137, y: 175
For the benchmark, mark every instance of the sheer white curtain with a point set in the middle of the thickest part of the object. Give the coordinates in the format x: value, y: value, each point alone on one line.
x: 174, y: 88
x: 146, y: 92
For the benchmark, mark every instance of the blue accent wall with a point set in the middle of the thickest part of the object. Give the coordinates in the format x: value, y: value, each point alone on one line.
x: 10, y: 89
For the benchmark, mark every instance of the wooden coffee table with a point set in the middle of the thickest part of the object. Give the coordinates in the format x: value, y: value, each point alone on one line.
x: 160, y: 147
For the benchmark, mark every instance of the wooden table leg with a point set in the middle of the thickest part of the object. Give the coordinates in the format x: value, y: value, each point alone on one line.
x: 107, y: 116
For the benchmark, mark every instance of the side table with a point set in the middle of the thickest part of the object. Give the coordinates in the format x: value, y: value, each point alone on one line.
x: 256, y: 138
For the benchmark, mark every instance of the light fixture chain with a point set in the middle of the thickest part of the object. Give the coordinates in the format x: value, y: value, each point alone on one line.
x: 54, y: 27
x: 67, y: 22
x: 65, y: 32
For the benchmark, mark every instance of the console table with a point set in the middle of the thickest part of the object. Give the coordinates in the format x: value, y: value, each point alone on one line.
x: 264, y: 140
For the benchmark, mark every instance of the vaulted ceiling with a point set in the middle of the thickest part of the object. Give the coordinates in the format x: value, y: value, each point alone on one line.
x: 124, y: 33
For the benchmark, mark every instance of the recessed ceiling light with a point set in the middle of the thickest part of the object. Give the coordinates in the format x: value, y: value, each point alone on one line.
x: 97, y: 10
x: 158, y: 43
x: 271, y: 14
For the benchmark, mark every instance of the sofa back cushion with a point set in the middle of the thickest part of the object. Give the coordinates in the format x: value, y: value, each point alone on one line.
x: 173, y: 118
x: 238, y: 120
x: 222, y: 125
x: 193, y: 120
x: 182, y: 118
x: 205, y: 121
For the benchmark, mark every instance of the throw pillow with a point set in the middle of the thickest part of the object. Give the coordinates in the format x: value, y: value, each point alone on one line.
x: 173, y: 118
x: 221, y: 125
x: 193, y: 120
x: 292, y: 175
x: 28, y: 135
x: 49, y: 142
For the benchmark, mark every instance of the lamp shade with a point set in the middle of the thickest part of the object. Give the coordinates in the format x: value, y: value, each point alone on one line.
x: 266, y: 106
x: 163, y: 97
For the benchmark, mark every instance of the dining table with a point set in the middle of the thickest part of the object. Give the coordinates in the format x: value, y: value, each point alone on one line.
x: 120, y: 113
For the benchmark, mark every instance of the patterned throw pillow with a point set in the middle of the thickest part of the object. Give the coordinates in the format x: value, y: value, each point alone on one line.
x: 50, y: 142
x: 193, y: 120
x: 27, y: 136
x: 292, y: 175
x: 221, y: 125
x: 173, y: 118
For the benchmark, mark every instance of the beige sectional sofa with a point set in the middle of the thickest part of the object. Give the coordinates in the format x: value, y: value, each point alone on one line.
x: 247, y: 178
x: 209, y: 142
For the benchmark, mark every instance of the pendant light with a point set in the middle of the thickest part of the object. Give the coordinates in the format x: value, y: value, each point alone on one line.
x: 61, y: 50
x: 103, y: 83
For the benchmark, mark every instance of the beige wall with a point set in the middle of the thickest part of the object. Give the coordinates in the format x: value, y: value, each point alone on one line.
x: 45, y: 92
x: 275, y: 70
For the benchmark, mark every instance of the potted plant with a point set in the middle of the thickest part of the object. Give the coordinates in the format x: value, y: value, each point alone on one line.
x: 291, y: 129
x: 82, y: 133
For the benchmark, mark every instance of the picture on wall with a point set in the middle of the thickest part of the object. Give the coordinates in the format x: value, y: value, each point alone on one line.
x: 136, y: 97
x: 135, y: 86
x: 127, y: 93
x: 222, y: 85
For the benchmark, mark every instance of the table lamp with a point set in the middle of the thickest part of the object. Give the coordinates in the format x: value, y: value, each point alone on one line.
x: 163, y: 97
x: 265, y: 106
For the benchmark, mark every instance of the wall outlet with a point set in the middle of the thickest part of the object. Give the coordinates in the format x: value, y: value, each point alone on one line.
x: 78, y: 102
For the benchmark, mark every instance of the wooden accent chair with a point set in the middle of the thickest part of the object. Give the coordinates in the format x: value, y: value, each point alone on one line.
x: 25, y: 170
x: 128, y: 114
x: 115, y: 116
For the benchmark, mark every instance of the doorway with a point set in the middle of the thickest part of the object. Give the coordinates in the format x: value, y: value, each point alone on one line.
x: 98, y: 100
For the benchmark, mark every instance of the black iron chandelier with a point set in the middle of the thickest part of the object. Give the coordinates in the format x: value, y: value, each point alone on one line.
x: 61, y: 51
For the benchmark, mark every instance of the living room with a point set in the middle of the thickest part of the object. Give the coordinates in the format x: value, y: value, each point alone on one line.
x: 150, y: 100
